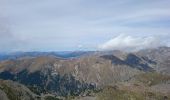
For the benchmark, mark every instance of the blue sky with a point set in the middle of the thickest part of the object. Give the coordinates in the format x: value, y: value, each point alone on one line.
x: 56, y: 25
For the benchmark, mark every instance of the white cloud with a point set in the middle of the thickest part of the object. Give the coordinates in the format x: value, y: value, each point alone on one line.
x: 130, y: 43
x: 80, y: 46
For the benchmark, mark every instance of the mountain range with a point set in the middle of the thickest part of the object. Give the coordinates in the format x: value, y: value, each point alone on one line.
x: 86, y: 75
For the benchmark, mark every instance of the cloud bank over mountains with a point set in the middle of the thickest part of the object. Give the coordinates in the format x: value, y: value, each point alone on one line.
x: 130, y: 43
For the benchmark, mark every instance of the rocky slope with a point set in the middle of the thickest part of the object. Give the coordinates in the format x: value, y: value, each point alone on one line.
x: 10, y: 90
x: 159, y: 56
